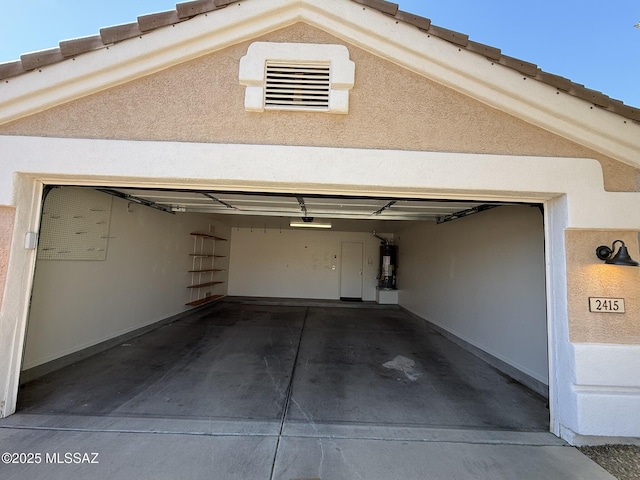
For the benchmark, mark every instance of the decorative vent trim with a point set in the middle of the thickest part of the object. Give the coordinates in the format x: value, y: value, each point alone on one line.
x: 297, y: 85
x: 297, y: 76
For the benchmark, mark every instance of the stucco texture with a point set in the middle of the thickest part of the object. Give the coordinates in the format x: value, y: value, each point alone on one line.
x: 588, y: 276
x: 7, y: 216
x: 390, y: 108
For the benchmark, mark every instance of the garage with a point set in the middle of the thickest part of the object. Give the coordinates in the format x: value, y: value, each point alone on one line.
x: 449, y: 333
x: 239, y: 156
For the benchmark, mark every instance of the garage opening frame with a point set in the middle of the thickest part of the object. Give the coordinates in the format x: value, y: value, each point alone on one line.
x: 569, y: 202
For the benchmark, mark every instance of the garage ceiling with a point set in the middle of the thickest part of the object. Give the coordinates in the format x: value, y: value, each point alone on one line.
x: 268, y: 210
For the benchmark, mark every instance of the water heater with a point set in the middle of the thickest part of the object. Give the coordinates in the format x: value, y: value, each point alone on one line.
x: 388, y: 264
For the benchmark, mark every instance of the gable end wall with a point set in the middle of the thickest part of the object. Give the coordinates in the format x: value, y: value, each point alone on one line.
x: 390, y: 108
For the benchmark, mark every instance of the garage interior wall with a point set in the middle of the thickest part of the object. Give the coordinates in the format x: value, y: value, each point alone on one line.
x: 482, y: 278
x: 297, y: 263
x: 77, y: 304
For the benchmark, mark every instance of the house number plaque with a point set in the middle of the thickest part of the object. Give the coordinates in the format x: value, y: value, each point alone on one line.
x: 606, y: 305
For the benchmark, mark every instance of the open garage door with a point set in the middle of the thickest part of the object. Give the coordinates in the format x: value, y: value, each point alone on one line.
x: 119, y: 270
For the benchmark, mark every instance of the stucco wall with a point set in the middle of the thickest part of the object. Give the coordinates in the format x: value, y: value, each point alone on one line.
x: 77, y: 304
x: 7, y: 215
x: 482, y: 278
x: 390, y: 107
x: 587, y: 276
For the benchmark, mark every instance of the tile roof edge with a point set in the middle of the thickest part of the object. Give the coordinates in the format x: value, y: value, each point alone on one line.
x: 78, y: 46
x: 118, y: 33
x: 11, y: 69
x: 186, y: 10
x: 153, y: 21
x: 450, y: 36
x: 196, y: 7
x: 41, y: 58
x: 381, y: 5
x: 422, y: 23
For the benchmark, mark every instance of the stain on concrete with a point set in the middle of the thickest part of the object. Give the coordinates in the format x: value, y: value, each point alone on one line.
x: 404, y: 365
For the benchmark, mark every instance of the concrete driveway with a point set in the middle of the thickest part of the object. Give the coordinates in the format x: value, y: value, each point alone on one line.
x: 261, y: 392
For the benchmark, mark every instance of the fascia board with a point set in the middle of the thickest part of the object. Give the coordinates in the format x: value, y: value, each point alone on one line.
x: 466, y: 72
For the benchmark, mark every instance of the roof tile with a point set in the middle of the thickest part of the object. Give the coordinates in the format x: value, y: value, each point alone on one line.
x: 31, y: 61
x: 10, y: 69
x: 449, y: 35
x: 118, y: 33
x: 620, y: 108
x: 557, y: 81
x: 527, y: 68
x: 422, y: 23
x: 69, y: 48
x: 157, y: 20
x: 190, y: 9
x: 489, y: 52
x: 589, y: 95
x: 381, y: 5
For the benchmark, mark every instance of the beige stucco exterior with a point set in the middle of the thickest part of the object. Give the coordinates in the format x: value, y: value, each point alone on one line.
x: 7, y: 215
x: 390, y: 108
x: 589, y: 277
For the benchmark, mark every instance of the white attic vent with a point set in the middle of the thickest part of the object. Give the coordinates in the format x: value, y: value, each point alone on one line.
x: 297, y: 76
x: 297, y: 85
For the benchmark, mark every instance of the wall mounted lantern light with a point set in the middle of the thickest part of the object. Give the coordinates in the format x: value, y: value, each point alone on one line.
x: 620, y: 258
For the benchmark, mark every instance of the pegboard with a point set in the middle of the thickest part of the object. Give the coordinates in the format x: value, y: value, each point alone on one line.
x: 75, y: 225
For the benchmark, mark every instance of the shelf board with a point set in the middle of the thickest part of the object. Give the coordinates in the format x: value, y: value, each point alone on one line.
x: 200, y: 285
x: 208, y: 235
x: 204, y: 300
x: 207, y: 270
x: 201, y: 255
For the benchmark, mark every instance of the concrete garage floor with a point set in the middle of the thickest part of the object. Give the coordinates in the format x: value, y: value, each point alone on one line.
x: 242, y: 390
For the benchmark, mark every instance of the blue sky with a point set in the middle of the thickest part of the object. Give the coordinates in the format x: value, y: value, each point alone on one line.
x: 592, y: 42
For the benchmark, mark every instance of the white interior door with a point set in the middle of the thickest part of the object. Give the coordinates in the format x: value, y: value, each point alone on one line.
x: 351, y: 270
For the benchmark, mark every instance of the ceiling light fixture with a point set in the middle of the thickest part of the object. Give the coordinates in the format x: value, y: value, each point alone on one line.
x: 307, y: 224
